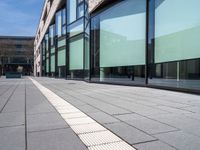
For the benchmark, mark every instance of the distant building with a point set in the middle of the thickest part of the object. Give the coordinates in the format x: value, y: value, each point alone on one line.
x: 16, y: 55
x: 151, y: 43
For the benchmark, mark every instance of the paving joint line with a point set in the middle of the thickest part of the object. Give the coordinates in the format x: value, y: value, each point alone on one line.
x: 47, y: 130
x: 145, y: 142
x: 167, y: 132
x: 25, y: 111
x: 12, y: 126
x: 53, y: 112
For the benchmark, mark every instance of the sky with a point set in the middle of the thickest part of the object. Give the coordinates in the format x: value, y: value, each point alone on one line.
x: 19, y: 17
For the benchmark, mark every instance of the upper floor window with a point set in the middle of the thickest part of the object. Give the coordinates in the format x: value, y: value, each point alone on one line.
x: 61, y: 22
x: 52, y: 34
x: 71, y: 15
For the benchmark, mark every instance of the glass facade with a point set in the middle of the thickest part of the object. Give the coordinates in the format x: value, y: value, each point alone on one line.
x: 142, y: 42
x: 176, y: 49
x: 76, y: 38
x: 120, y: 31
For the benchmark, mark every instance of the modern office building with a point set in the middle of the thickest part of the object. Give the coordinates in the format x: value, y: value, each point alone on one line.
x: 16, y: 55
x: 151, y: 43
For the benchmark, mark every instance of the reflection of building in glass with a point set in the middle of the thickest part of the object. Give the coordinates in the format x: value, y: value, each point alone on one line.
x: 121, y: 42
x: 16, y: 55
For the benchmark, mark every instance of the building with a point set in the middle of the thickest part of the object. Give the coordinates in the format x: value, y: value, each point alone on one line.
x: 152, y: 43
x: 16, y: 54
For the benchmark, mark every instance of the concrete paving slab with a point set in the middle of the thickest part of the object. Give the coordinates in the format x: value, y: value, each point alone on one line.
x: 180, y: 140
x: 182, y: 122
x: 128, y: 133
x: 12, y: 138
x: 145, y: 124
x: 195, y: 116
x: 38, y: 103
x: 42, y: 107
x: 110, y: 109
x: 87, y: 109
x: 15, y: 104
x: 126, y: 117
x: 194, y: 109
x: 154, y: 145
x: 103, y: 118
x: 151, y: 126
x: 5, y: 96
x: 63, y: 139
x: 12, y: 119
x: 138, y: 108
x: 47, y: 121
x: 174, y: 110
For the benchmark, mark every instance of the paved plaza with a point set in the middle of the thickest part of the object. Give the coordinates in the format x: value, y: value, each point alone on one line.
x: 147, y: 119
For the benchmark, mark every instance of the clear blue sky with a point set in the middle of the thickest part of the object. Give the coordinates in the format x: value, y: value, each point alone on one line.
x: 19, y: 17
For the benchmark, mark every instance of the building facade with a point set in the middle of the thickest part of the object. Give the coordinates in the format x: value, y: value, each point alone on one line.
x: 16, y: 55
x: 133, y: 42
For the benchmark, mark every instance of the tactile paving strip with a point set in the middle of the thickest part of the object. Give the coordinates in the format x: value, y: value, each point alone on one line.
x: 98, y: 138
x: 91, y: 133
x: 73, y: 115
x: 79, y: 121
x: 88, y: 128
x: 112, y: 146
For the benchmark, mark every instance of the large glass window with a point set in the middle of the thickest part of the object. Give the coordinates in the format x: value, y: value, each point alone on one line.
x: 177, y: 48
x: 76, y: 54
x: 118, y: 41
x: 122, y: 34
x: 63, y: 16
x: 52, y: 34
x: 47, y: 65
x: 71, y: 15
x: 47, y: 42
x: 61, y: 57
x: 47, y: 45
x: 59, y: 23
x: 76, y: 28
x: 64, y: 22
x: 80, y: 10
x: 177, y: 30
x: 53, y: 63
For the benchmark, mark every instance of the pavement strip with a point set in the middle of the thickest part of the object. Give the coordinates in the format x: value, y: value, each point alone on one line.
x: 91, y: 133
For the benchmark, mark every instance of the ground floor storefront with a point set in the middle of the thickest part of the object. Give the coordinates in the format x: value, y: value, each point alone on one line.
x: 131, y: 42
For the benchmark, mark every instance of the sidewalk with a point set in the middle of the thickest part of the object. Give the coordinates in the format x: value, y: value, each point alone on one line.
x: 28, y: 121
x: 148, y: 119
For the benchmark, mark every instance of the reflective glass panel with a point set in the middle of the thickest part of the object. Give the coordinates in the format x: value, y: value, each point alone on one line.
x: 177, y: 30
x: 122, y: 34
